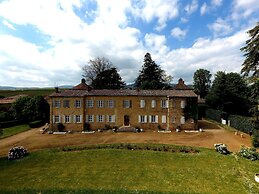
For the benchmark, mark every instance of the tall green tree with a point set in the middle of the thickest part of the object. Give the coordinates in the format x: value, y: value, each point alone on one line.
x: 254, y: 99
x: 31, y: 108
x: 102, y: 74
x: 251, y: 50
x: 201, y: 82
x: 151, y: 76
x: 228, y: 93
x: 108, y: 79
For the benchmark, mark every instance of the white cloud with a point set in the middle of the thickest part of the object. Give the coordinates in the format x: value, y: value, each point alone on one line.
x: 162, y: 10
x: 6, y: 23
x: 191, y: 8
x: 204, y: 8
x: 216, y: 3
x: 221, y: 54
x: 220, y: 27
x: 244, y: 8
x: 178, y: 33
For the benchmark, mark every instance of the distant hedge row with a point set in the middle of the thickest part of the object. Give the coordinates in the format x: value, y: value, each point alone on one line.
x: 12, y: 123
x: 241, y: 123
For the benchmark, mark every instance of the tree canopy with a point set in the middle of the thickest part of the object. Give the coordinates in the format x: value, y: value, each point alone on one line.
x: 108, y: 79
x: 151, y: 76
x: 251, y: 50
x: 228, y: 93
x: 201, y: 82
x: 31, y: 108
x: 102, y: 74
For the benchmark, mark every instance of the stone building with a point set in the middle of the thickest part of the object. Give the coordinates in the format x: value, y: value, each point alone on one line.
x: 125, y: 109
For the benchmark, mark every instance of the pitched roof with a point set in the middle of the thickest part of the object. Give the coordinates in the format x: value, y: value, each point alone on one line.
x: 83, y: 89
x: 11, y: 99
x: 167, y: 93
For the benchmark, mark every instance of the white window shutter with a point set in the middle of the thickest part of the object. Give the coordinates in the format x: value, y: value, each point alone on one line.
x: 74, y: 118
x: 166, y: 103
x: 156, y: 118
x: 93, y: 117
x: 70, y: 118
x: 113, y: 118
x: 64, y: 119
x: 163, y: 118
x: 145, y: 119
x: 182, y: 104
x: 81, y: 119
x: 182, y: 120
x: 53, y: 119
x: 150, y: 118
x: 139, y: 119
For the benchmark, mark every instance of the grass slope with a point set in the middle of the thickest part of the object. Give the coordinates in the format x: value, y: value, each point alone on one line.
x: 7, y: 132
x: 127, y: 171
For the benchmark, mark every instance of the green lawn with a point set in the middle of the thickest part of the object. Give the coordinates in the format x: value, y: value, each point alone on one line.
x: 14, y: 130
x: 128, y: 171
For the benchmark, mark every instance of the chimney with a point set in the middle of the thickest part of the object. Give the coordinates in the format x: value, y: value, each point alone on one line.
x: 180, y: 81
x: 83, y: 81
x: 56, y: 90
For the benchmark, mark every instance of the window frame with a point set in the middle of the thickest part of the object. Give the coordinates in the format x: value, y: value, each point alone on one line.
x: 89, y: 103
x: 66, y: 103
x: 78, y: 103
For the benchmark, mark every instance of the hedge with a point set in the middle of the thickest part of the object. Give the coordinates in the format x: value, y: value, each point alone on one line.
x: 12, y: 123
x: 244, y: 124
x: 36, y: 124
x: 215, y: 115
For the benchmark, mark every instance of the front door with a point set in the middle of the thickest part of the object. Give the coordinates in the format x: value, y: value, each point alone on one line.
x: 126, y: 120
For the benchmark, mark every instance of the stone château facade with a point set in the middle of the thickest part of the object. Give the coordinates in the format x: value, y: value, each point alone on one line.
x: 146, y: 109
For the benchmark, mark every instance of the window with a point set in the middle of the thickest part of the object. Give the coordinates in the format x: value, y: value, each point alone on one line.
x: 90, y: 118
x: 56, y: 119
x: 78, y: 118
x: 89, y: 103
x: 153, y: 103
x: 182, y: 104
x: 163, y: 118
x: 126, y: 103
x: 142, y: 103
x: 111, y: 118
x: 164, y: 103
x: 153, y: 118
x: 142, y: 119
x: 57, y: 103
x: 67, y: 119
x: 78, y: 103
x: 66, y: 104
x: 182, y: 120
x: 100, y: 118
x: 100, y: 103
x: 110, y: 103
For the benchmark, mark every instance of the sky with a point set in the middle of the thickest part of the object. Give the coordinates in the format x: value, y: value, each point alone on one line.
x: 45, y: 43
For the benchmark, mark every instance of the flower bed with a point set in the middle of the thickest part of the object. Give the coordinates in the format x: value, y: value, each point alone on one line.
x: 17, y: 153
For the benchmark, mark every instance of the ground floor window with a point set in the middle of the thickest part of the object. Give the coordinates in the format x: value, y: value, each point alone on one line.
x: 153, y: 118
x: 67, y: 119
x: 56, y: 119
x: 78, y: 118
x: 100, y: 118
x: 142, y: 119
x: 89, y: 118
x: 111, y: 118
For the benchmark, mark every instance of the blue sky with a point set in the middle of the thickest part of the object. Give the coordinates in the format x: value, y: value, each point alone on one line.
x: 46, y: 43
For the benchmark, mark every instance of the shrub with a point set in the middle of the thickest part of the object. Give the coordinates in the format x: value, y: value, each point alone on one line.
x: 60, y: 127
x: 244, y: 124
x: 17, y: 153
x: 221, y: 148
x: 10, y: 123
x: 87, y: 127
x: 249, y: 153
x: 36, y: 124
x: 215, y: 115
x: 255, y: 138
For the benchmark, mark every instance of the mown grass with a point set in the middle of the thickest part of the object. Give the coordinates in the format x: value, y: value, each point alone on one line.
x: 128, y: 171
x: 7, y: 132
